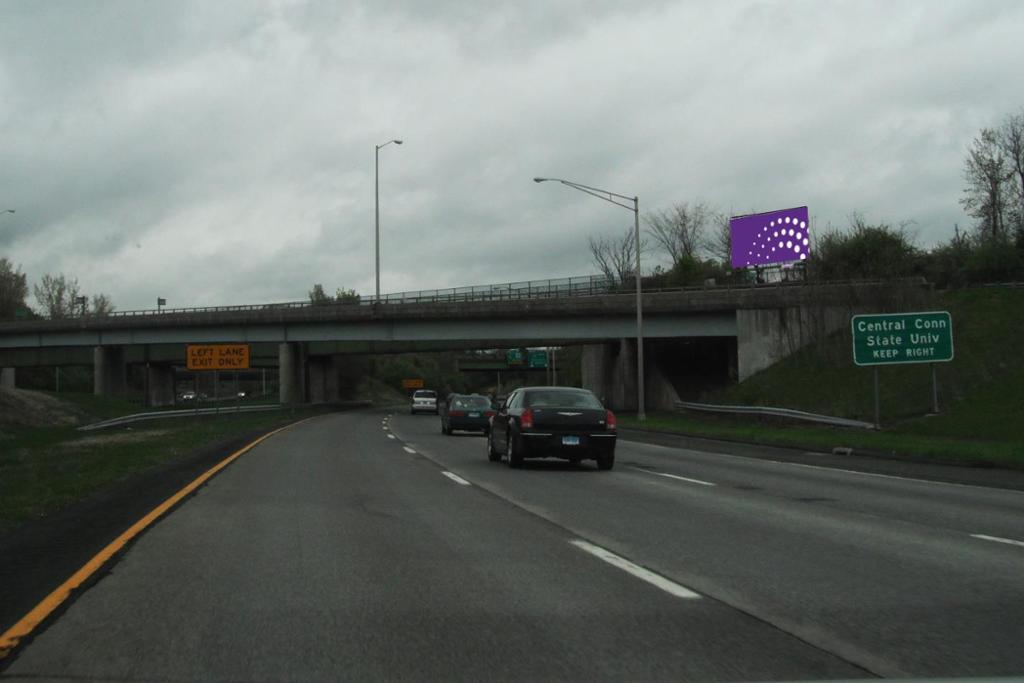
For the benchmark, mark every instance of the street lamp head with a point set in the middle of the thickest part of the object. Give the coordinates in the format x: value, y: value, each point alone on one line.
x: 540, y: 180
x: 397, y: 142
x: 8, y: 211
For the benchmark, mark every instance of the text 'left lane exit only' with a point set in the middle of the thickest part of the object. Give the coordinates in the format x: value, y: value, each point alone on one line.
x: 218, y: 356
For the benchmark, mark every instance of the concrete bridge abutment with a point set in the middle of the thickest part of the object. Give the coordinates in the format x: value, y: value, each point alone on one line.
x: 765, y: 336
x: 7, y: 378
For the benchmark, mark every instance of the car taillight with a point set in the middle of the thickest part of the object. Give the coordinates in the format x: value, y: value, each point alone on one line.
x: 490, y: 413
x: 456, y: 413
x: 610, y: 421
x: 526, y: 420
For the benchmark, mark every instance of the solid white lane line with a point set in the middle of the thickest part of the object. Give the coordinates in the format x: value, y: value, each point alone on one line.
x: 456, y: 478
x: 674, y: 476
x: 391, y: 436
x: 1008, y: 541
x: 636, y: 570
x: 408, y: 450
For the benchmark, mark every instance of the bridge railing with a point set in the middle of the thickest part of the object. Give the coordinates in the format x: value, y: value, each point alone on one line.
x: 587, y: 285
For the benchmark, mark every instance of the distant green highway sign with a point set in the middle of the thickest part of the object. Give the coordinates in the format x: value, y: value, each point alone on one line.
x: 895, y: 338
x: 538, y: 359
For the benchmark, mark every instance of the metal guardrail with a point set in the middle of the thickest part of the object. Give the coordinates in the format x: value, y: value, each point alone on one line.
x: 776, y: 412
x: 159, y: 414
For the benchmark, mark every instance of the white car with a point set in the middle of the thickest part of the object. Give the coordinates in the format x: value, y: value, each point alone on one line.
x: 424, y: 401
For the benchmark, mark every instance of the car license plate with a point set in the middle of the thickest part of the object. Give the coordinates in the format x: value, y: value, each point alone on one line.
x: 474, y: 414
x: 570, y: 441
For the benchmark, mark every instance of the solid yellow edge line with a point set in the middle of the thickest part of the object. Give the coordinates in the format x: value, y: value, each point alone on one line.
x: 10, y: 639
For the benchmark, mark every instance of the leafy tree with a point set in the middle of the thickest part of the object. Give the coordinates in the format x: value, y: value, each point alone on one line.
x: 58, y: 296
x: 101, y: 305
x: 865, y: 251
x: 346, y: 296
x: 318, y: 297
x: 13, y: 289
x: 61, y: 297
x: 946, y: 264
x: 994, y: 259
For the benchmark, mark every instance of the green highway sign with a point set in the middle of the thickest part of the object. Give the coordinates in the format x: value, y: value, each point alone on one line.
x: 895, y: 338
x: 514, y: 357
x: 538, y: 359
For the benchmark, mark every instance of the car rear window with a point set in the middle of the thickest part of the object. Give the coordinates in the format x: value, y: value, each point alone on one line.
x: 561, y: 399
x: 425, y: 394
x: 468, y: 402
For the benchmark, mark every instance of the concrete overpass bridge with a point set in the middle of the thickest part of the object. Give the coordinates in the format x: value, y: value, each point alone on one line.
x: 761, y: 324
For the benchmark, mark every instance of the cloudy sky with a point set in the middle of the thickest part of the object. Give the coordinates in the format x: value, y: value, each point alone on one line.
x: 222, y: 152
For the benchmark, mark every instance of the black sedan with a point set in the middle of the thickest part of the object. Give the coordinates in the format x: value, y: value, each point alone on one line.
x: 466, y: 412
x: 553, y: 422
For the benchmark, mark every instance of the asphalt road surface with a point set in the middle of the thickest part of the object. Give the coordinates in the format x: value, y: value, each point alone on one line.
x: 359, y: 546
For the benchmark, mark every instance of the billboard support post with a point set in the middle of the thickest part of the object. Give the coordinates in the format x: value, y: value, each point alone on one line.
x: 935, y: 391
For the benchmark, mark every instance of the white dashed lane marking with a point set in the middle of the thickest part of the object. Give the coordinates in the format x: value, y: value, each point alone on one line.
x: 456, y: 478
x: 673, y: 476
x: 657, y: 580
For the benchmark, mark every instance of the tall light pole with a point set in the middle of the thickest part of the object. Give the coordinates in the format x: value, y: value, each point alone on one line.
x: 376, y: 203
x: 613, y: 197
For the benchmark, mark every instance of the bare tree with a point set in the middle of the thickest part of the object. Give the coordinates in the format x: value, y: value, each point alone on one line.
x: 57, y: 296
x: 616, y: 257
x: 986, y: 171
x: 13, y: 289
x: 1011, y: 142
x: 681, y: 229
x: 719, y: 244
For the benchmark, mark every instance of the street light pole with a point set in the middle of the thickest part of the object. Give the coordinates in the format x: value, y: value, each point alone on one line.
x: 612, y: 197
x: 376, y: 206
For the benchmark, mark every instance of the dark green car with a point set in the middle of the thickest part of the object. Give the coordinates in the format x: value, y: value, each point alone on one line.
x: 470, y: 413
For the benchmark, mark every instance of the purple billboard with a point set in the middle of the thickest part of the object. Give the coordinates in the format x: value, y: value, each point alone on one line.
x: 773, y: 237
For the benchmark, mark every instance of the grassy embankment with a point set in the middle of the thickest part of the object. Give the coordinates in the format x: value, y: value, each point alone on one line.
x: 43, y: 468
x: 981, y: 392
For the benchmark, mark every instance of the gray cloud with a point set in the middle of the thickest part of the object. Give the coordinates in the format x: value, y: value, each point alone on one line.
x: 221, y: 153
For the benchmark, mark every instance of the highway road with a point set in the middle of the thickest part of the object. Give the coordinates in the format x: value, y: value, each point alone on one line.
x: 363, y: 546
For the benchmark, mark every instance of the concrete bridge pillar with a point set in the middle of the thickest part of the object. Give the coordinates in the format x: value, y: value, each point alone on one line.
x: 292, y: 372
x: 609, y: 370
x: 110, y: 372
x: 159, y: 385
x: 7, y: 378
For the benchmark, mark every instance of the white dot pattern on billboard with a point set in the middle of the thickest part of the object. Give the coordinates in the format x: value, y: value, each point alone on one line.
x: 776, y: 237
